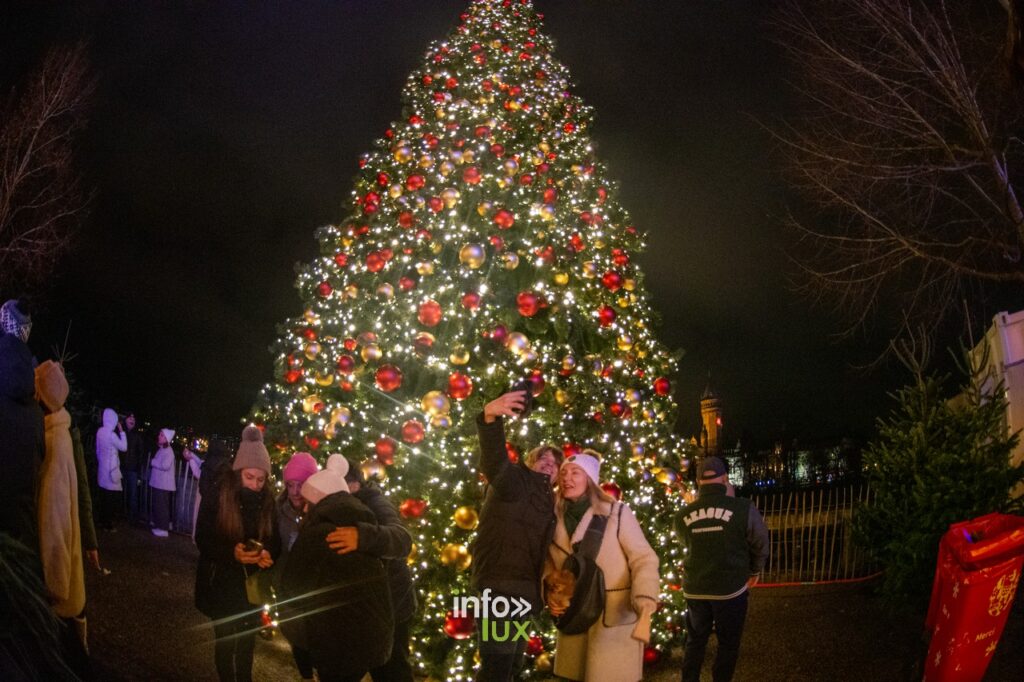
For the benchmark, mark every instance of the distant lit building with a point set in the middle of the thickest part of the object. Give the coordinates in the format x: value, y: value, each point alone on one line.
x: 1004, y: 344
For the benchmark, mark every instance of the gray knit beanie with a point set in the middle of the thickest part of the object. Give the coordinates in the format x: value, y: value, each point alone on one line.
x: 252, y: 453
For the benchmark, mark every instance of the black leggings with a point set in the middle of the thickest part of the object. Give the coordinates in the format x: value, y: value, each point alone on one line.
x: 234, y: 645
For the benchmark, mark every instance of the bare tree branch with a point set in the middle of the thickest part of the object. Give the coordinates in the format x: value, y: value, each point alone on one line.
x: 41, y: 198
x: 904, y: 152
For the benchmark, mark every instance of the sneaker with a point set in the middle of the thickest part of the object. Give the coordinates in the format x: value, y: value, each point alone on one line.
x: 160, y: 533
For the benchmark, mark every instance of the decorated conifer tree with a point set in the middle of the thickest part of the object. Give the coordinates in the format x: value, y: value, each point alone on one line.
x: 484, y: 243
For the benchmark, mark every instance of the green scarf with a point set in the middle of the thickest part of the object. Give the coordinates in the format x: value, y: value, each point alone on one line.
x: 573, y: 513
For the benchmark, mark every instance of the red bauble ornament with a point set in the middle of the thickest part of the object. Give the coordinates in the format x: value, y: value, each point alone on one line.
x: 497, y: 242
x: 536, y: 380
x: 528, y: 303
x: 620, y: 258
x: 312, y: 442
x: 513, y: 454
x: 471, y: 175
x: 459, y: 386
x: 612, y: 489
x: 414, y: 182
x: 570, y: 449
x: 534, y: 646
x: 651, y: 655
x: 406, y: 283
x: 375, y: 262
x: 471, y: 300
x: 412, y: 431
x: 605, y: 315
x: 482, y: 131
x: 615, y: 409
x: 384, y: 448
x: 341, y: 259
x: 458, y: 628
x: 350, y: 344
x: 577, y: 242
x: 550, y: 195
x: 662, y: 386
x: 406, y: 220
x: 383, y: 179
x: 292, y: 376
x: 324, y: 289
x: 430, y: 313
x: 504, y: 219
x: 412, y: 508
x: 436, y: 204
x: 499, y: 334
x: 612, y: 281
x: 388, y: 378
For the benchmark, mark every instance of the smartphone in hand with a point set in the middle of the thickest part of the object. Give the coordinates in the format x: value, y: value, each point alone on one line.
x: 252, y: 546
x: 527, y: 387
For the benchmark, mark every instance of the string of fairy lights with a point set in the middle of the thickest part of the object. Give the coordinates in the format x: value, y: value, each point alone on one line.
x: 483, y: 244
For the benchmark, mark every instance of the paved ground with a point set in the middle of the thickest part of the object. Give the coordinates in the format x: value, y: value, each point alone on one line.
x: 143, y: 626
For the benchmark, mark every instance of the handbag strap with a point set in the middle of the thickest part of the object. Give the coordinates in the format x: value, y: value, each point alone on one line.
x: 590, y: 545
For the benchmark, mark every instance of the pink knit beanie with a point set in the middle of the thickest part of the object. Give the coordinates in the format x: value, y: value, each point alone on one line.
x: 300, y: 467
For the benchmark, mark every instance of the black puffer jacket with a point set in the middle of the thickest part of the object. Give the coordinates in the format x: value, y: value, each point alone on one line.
x: 389, y: 540
x: 220, y: 579
x: 22, y: 442
x: 336, y: 606
x: 517, y: 521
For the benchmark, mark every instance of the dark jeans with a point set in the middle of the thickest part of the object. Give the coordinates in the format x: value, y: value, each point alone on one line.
x: 233, y: 648
x: 131, y: 495
x: 727, y: 616
x: 161, y: 504
x: 397, y: 669
x: 499, y: 661
x: 109, y: 507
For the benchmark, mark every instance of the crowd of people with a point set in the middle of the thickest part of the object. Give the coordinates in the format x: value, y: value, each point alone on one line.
x: 330, y: 549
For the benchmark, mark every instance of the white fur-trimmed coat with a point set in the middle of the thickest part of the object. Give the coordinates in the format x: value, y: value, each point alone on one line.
x: 608, y: 652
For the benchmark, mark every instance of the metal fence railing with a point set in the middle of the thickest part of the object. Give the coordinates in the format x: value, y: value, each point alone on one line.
x: 811, y: 535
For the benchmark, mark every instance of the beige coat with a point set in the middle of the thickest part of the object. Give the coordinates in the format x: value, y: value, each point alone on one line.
x: 60, y: 542
x: 608, y: 652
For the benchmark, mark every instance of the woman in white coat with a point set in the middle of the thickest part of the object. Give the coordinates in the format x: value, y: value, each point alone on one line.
x: 110, y: 440
x: 612, y: 650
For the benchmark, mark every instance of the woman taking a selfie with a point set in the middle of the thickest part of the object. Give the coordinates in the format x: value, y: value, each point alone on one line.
x: 237, y: 536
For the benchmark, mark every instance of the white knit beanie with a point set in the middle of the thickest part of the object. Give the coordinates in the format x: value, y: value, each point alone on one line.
x: 589, y: 463
x: 327, y: 481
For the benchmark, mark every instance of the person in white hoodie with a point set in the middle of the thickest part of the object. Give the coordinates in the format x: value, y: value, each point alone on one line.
x: 110, y: 440
x: 161, y: 483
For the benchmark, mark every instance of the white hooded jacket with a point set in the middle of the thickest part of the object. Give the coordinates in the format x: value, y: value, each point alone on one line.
x: 108, y: 444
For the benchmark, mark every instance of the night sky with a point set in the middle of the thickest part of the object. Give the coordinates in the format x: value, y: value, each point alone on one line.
x: 225, y: 132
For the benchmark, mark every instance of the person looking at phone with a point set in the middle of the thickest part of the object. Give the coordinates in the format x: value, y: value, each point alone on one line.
x: 517, y: 522
x: 237, y: 535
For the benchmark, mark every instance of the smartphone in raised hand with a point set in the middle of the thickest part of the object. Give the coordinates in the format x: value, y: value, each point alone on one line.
x: 525, y: 386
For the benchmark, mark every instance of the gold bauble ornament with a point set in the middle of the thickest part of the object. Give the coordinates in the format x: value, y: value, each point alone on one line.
x: 517, y: 342
x: 510, y: 260
x: 395, y: 191
x: 633, y: 396
x: 561, y: 397
x: 311, y: 317
x: 467, y: 156
x: 373, y: 469
x: 466, y: 518
x: 568, y: 363
x: 589, y: 269
x: 599, y: 244
x: 629, y: 284
x: 413, y: 554
x: 459, y: 356
x: 637, y: 450
x: 528, y: 356
x: 310, y: 402
x: 483, y: 208
x: 446, y: 168
x: 547, y: 212
x: 426, y: 161
x: 453, y: 553
x: 436, y: 248
x: 371, y: 353
x: 403, y: 154
x: 450, y: 197
x: 351, y: 291
x: 543, y: 662
x: 436, y: 403
x: 511, y: 167
x: 441, y: 421
x: 311, y: 350
x: 544, y: 146
x: 340, y: 418
x: 347, y: 241
x: 472, y: 256
x: 324, y: 379
x: 439, y: 113
x: 386, y: 290
x: 666, y: 477
x: 624, y: 342
x: 561, y: 278
x: 425, y: 268
x: 623, y: 301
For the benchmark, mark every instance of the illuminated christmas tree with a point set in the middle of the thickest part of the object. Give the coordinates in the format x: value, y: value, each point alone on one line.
x: 484, y: 243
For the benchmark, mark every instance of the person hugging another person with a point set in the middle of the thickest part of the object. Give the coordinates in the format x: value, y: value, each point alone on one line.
x: 237, y: 536
x: 611, y: 649
x: 337, y: 606
x: 161, y: 483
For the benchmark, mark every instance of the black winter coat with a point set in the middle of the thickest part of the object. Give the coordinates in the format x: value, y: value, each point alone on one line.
x: 220, y: 579
x: 389, y: 540
x: 517, y: 521
x: 336, y: 606
x: 22, y: 442
x: 135, y: 456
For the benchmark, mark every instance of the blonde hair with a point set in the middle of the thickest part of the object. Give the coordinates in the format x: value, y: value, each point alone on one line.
x: 594, y: 491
